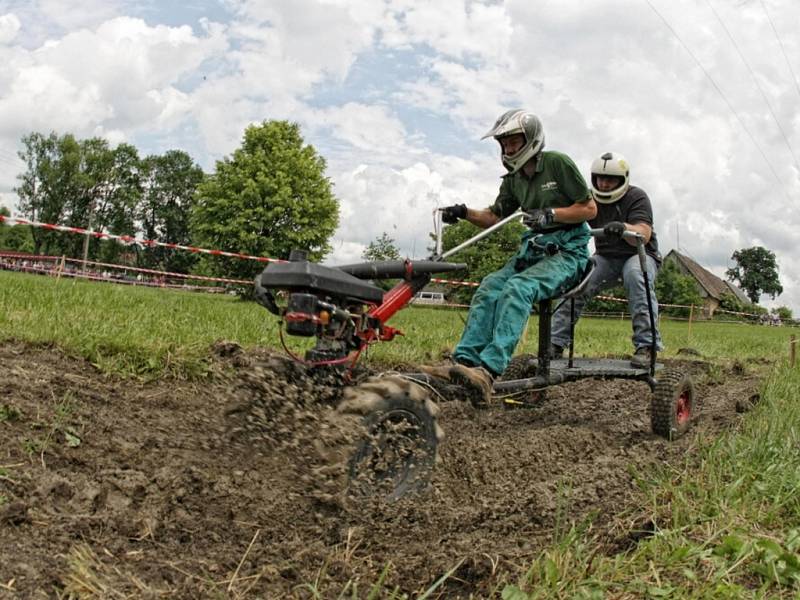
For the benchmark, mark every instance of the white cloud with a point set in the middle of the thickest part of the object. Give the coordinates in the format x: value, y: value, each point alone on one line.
x: 121, y: 76
x: 9, y: 26
x: 455, y: 28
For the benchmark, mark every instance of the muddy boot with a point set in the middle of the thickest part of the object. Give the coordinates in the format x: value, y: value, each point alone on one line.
x: 477, y: 381
x: 641, y: 358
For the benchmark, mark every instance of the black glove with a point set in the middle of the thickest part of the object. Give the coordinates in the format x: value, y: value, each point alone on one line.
x: 614, y: 229
x: 451, y: 214
x: 539, y: 218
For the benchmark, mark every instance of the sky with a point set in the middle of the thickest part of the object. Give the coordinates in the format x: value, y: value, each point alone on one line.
x: 701, y: 96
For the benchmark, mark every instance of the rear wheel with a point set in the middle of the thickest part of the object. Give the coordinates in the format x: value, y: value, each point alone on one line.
x: 396, y: 449
x: 674, y: 405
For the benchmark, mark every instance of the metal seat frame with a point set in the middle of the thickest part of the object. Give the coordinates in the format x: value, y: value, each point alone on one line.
x: 545, y: 315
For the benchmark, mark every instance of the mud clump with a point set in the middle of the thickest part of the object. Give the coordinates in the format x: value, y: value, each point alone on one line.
x: 273, y: 405
x: 232, y: 486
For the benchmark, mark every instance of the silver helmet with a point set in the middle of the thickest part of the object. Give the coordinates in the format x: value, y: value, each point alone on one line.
x: 610, y: 164
x: 518, y: 121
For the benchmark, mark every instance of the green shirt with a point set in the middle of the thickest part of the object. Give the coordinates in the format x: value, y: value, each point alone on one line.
x: 556, y: 183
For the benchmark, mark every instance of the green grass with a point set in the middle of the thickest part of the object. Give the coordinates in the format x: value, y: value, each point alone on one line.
x: 143, y: 331
x: 727, y: 523
x: 124, y: 329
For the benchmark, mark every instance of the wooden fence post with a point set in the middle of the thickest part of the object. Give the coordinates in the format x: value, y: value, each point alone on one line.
x: 60, y: 269
x: 689, y: 333
x: 792, y: 351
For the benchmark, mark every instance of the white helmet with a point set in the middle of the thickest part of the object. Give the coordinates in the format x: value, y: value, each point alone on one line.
x: 518, y: 121
x: 611, y: 164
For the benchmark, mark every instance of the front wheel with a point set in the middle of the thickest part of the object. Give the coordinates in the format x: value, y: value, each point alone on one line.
x: 674, y: 405
x: 397, y: 449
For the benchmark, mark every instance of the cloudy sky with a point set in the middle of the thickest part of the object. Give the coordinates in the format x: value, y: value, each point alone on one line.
x: 701, y: 96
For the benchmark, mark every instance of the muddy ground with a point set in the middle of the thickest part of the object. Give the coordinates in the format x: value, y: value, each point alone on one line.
x: 113, y: 488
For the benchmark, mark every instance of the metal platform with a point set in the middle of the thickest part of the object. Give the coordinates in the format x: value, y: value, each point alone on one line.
x: 592, y: 365
x: 582, y: 368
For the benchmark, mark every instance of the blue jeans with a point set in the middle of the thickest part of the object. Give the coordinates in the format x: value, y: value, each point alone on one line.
x: 607, y: 274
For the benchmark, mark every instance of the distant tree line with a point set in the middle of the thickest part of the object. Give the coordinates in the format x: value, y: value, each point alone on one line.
x: 270, y: 196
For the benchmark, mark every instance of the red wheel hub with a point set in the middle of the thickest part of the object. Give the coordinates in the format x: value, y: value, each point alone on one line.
x: 683, y: 408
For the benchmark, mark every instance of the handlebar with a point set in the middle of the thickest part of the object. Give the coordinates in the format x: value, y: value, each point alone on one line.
x: 634, y: 235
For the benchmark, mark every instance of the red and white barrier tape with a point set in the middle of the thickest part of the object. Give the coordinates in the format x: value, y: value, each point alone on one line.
x: 150, y: 243
x: 449, y: 282
x: 94, y: 277
x: 34, y: 257
x: 128, y: 239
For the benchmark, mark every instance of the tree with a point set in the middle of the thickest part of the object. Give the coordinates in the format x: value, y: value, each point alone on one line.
x: 116, y: 191
x: 673, y: 287
x: 596, y: 304
x: 16, y: 238
x: 756, y: 271
x: 170, y: 183
x: 381, y: 248
x: 269, y: 197
x: 733, y: 307
x: 79, y: 183
x: 784, y: 313
x: 485, y: 256
x: 48, y: 185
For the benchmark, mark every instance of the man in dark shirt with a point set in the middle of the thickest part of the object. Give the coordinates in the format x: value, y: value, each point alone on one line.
x: 620, y: 207
x: 550, y: 189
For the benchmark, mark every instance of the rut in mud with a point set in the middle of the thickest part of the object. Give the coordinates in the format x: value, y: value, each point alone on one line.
x: 229, y: 485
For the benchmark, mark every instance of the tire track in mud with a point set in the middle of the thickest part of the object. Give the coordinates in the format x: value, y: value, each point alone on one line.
x: 166, y: 485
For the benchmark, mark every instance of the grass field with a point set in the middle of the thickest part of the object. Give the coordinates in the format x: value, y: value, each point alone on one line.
x: 727, y: 523
x: 144, y: 331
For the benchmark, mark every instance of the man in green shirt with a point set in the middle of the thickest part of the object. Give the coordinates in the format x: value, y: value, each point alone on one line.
x: 552, y: 255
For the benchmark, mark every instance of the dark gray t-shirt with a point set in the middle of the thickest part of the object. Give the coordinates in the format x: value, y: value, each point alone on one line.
x: 634, y: 207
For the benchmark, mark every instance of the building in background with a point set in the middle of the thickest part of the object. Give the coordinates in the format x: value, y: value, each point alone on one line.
x: 710, y: 287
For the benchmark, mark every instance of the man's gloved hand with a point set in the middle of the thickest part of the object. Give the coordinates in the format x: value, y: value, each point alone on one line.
x: 451, y: 214
x: 539, y: 218
x: 614, y: 229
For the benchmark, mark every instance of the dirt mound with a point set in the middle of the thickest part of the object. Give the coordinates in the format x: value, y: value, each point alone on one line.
x: 189, y: 489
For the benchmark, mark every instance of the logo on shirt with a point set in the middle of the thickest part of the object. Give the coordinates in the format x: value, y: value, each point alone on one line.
x: 549, y: 186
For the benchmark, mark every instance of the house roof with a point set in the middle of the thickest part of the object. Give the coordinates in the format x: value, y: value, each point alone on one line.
x: 738, y: 292
x: 713, y: 285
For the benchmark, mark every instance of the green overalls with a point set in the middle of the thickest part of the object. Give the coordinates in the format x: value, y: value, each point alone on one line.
x: 502, y: 304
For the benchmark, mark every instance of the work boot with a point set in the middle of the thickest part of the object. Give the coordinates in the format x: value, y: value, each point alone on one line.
x: 641, y: 358
x: 477, y: 381
x: 556, y: 351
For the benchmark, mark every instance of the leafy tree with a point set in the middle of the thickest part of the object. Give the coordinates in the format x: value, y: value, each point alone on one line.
x: 601, y: 305
x: 482, y: 258
x: 170, y: 183
x: 756, y: 271
x: 673, y: 287
x: 109, y: 190
x: 16, y: 238
x: 381, y: 248
x: 783, y: 312
x: 732, y: 304
x: 79, y: 183
x: 117, y: 194
x: 269, y: 197
x: 48, y: 185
